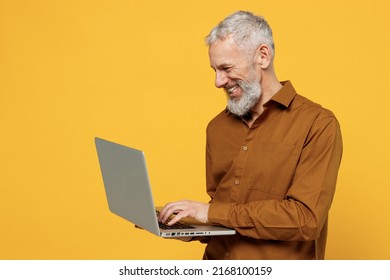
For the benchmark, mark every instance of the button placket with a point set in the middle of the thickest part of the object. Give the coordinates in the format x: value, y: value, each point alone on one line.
x: 240, y: 163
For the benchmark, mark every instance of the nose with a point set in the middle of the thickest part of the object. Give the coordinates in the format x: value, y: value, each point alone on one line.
x: 220, y: 79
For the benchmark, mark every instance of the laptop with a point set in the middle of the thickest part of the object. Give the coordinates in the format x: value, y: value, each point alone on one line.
x: 129, y: 194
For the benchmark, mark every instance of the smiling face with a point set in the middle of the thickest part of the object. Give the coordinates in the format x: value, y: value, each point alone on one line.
x: 237, y: 73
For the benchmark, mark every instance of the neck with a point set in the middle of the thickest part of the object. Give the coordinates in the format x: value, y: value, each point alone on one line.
x: 270, y: 85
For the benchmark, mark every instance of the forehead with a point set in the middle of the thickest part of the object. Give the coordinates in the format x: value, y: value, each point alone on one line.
x: 224, y: 52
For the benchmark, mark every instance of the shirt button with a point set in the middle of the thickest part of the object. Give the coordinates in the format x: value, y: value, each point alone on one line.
x: 244, y: 148
x: 237, y: 182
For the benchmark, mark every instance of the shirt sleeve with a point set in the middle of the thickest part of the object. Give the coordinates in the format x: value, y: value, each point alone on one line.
x: 304, y: 210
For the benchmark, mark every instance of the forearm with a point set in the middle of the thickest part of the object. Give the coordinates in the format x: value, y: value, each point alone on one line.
x: 286, y: 220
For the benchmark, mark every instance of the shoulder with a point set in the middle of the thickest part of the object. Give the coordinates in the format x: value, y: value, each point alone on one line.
x: 310, y: 109
x: 321, y: 122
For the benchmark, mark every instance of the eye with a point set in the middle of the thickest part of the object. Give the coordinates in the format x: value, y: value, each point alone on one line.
x: 227, y: 69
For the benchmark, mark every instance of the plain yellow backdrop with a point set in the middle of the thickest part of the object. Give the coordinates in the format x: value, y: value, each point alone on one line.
x: 137, y: 72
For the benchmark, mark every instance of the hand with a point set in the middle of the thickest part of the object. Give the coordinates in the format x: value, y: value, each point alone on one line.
x: 184, y: 208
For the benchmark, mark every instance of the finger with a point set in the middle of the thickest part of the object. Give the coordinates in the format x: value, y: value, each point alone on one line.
x: 182, y: 214
x: 164, y: 211
x: 168, y: 210
x: 173, y: 208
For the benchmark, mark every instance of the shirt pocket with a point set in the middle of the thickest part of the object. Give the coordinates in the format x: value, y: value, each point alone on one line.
x: 272, y: 170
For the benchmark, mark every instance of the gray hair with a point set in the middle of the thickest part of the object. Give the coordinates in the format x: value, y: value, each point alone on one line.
x: 247, y: 30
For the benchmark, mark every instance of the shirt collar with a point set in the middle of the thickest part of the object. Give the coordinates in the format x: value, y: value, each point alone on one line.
x: 285, y: 95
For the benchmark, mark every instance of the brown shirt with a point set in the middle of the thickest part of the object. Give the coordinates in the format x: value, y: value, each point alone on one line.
x: 273, y: 182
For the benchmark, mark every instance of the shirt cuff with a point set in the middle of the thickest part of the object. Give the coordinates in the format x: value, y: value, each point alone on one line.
x: 219, y: 213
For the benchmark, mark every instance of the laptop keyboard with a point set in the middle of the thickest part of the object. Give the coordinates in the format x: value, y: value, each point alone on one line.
x: 178, y: 225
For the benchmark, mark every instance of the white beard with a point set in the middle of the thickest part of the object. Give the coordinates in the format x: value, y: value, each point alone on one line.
x: 251, y: 95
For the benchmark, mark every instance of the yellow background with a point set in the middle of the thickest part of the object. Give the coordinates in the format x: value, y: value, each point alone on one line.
x: 137, y: 72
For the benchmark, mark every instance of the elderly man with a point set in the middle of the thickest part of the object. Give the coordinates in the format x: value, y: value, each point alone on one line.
x: 272, y: 155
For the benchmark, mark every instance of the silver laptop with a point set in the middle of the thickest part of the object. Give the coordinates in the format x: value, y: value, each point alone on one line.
x: 129, y: 193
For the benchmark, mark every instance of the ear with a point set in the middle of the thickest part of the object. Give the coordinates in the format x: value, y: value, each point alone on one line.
x: 264, y: 56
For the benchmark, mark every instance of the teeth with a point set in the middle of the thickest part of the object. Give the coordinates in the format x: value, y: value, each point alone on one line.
x: 230, y: 90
